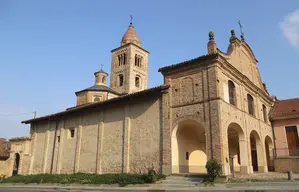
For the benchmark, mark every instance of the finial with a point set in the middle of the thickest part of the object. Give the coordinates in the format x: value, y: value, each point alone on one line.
x: 233, y: 35
x: 101, y: 67
x: 131, y: 19
x: 211, y: 36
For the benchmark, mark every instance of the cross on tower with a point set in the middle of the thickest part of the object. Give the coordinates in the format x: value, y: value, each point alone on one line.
x: 131, y: 19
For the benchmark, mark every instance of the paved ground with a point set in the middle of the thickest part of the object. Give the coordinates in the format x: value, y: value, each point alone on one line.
x: 270, y: 176
x: 254, y: 186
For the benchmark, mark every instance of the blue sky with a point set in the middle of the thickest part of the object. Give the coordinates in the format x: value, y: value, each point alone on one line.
x: 50, y: 49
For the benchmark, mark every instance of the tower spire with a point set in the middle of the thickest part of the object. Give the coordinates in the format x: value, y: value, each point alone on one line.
x: 130, y: 36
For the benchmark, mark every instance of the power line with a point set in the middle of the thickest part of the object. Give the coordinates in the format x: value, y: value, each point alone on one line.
x: 16, y: 114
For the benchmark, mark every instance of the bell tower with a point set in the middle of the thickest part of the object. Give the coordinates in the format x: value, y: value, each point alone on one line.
x: 129, y: 65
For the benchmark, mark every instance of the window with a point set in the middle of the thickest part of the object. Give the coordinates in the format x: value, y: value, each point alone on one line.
x: 250, y: 104
x: 96, y: 98
x: 122, y: 59
x: 58, y: 139
x: 125, y: 58
x: 187, y: 155
x: 137, y: 81
x: 104, y: 80
x: 121, y: 79
x: 265, y: 113
x: 231, y: 92
x: 72, y: 132
x: 138, y: 60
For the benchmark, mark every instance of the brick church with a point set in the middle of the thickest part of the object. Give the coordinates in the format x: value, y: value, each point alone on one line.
x: 213, y: 106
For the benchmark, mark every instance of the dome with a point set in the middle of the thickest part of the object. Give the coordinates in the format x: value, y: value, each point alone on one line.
x: 130, y: 36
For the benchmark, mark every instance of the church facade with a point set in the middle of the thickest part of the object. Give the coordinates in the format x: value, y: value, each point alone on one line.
x: 213, y: 106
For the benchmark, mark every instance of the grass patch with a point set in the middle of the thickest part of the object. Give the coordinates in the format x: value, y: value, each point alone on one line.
x: 85, y: 178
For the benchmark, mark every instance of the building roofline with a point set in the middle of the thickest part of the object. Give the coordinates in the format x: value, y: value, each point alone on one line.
x: 128, y: 45
x: 191, y: 61
x: 91, y: 89
x: 20, y: 139
x: 109, y: 101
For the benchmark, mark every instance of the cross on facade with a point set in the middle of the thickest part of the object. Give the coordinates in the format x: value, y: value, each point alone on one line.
x: 241, y: 27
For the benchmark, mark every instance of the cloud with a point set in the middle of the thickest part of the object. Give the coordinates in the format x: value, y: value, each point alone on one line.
x: 290, y: 28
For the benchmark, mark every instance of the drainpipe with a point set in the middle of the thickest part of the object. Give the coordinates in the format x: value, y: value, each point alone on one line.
x: 274, y: 138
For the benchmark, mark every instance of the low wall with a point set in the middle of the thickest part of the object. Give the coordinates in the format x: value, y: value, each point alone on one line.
x: 4, y: 167
x: 285, y: 164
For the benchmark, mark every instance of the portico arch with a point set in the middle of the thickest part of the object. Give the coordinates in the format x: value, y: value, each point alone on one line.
x: 188, y: 148
x: 257, y: 161
x: 237, y: 151
x: 269, y: 153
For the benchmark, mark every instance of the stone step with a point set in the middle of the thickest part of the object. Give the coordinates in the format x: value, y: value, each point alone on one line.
x: 180, y: 178
x: 183, y: 181
x: 177, y: 185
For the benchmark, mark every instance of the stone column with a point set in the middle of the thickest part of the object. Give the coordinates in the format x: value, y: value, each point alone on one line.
x: 244, y: 168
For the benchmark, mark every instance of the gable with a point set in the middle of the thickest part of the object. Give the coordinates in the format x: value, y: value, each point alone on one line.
x: 240, y: 56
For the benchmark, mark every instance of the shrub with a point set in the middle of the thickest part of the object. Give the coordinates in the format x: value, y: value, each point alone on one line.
x: 214, y: 169
x: 152, y: 177
x: 85, y: 178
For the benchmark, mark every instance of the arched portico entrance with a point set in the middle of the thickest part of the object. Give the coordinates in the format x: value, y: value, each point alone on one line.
x: 15, y: 170
x: 188, y: 148
x: 256, y: 151
x: 269, y: 153
x: 237, y: 149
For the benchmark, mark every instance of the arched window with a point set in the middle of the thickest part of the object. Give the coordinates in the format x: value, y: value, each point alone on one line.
x: 121, y: 79
x: 265, y: 113
x: 125, y: 58
x: 250, y: 104
x: 119, y: 60
x: 136, y: 60
x: 104, y: 79
x: 231, y: 92
x: 137, y: 81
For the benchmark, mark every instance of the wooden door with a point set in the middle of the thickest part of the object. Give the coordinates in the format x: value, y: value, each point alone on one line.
x: 293, y: 140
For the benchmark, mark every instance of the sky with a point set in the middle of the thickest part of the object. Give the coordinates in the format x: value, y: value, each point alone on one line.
x: 50, y: 49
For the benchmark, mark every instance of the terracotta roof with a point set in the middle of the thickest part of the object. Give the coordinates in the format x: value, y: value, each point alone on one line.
x: 130, y: 36
x: 189, y: 62
x: 284, y: 108
x: 99, y: 88
x: 91, y: 105
x: 4, y: 148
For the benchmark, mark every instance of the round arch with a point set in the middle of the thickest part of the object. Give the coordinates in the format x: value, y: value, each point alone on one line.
x: 188, y: 147
x: 257, y: 161
x: 269, y: 153
x: 237, y: 149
